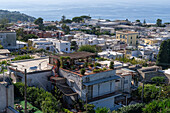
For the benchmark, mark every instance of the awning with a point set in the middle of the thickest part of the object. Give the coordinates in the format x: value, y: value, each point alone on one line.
x: 101, y: 80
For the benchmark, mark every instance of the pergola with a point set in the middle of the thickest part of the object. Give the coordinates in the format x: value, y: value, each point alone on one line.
x: 74, y: 56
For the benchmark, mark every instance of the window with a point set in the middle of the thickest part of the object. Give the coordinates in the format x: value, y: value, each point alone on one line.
x: 66, y: 49
x: 131, y: 37
x: 9, y: 44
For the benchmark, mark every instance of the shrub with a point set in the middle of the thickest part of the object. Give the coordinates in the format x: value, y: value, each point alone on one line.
x: 136, y: 108
x: 102, y: 110
x: 97, y: 64
x: 111, y: 65
x: 104, y: 69
x: 22, y: 57
x: 82, y: 71
x: 90, y: 108
x: 88, y: 48
x: 39, y: 98
x: 158, y: 106
x: 97, y: 70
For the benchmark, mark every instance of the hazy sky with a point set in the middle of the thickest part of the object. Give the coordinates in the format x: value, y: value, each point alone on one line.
x: 119, y: 9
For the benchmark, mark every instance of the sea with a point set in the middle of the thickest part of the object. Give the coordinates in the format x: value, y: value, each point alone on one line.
x: 52, y: 10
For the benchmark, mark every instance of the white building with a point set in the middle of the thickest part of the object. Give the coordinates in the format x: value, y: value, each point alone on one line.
x: 37, y: 70
x: 110, y: 54
x: 21, y: 44
x: 8, y: 40
x: 87, y: 39
x: 102, y: 89
x: 6, y: 94
x: 51, y: 44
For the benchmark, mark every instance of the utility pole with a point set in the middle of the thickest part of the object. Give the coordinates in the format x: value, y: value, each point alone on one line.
x: 25, y: 91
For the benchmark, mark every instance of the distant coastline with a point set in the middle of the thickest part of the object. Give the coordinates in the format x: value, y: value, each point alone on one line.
x: 112, y: 10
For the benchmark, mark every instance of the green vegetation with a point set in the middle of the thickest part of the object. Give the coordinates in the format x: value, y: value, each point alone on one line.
x: 132, y: 61
x: 151, y: 92
x: 15, y: 16
x: 74, y: 45
x: 30, y: 108
x: 80, y: 19
x: 90, y: 108
x: 1, y: 47
x: 87, y: 48
x: 158, y: 80
x: 82, y: 71
x: 23, y: 37
x: 4, y: 23
x: 163, y: 58
x: 159, y: 22
x: 111, y: 65
x: 136, y: 108
x: 158, y: 106
x: 39, y: 22
x: 39, y: 98
x: 22, y: 57
x: 102, y: 110
x: 64, y: 20
x: 65, y: 28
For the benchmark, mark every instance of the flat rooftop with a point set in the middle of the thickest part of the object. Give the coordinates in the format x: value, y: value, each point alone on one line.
x: 127, y: 32
x: 4, y: 51
x: 76, y: 55
x: 32, y: 65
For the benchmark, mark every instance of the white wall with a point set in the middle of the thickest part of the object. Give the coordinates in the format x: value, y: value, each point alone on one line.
x: 3, y: 97
x: 107, y: 102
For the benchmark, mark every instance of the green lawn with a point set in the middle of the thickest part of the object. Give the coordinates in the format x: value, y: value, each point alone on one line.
x: 31, y: 109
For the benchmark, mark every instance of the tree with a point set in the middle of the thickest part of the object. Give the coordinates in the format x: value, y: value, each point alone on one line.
x: 163, y: 58
x: 20, y: 34
x: 65, y: 28
x: 87, y: 48
x: 74, y: 45
x: 159, y: 22
x: 137, y: 20
x: 158, y: 80
x: 158, y: 106
x: 144, y: 22
x: 1, y: 47
x: 90, y: 108
x: 38, y: 21
x: 111, y: 65
x: 136, y: 108
x: 82, y: 71
x: 68, y: 21
x: 151, y: 92
x: 4, y: 24
x: 77, y: 19
x: 63, y: 18
x: 102, y: 110
x: 30, y: 36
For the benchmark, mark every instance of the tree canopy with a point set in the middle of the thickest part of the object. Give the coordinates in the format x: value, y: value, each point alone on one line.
x: 87, y: 48
x: 159, y: 22
x: 163, y: 58
x: 15, y: 16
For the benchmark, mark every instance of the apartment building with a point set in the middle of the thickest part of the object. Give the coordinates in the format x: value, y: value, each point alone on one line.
x: 129, y: 37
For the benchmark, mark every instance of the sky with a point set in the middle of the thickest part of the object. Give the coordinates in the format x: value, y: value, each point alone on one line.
x: 119, y: 8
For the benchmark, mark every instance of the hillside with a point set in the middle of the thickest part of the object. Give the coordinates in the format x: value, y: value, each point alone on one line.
x: 15, y: 16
